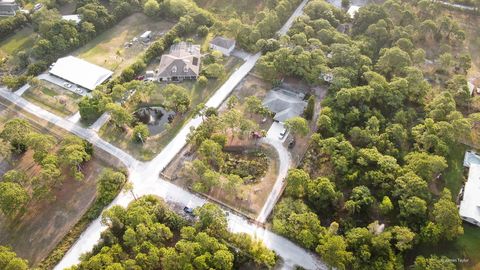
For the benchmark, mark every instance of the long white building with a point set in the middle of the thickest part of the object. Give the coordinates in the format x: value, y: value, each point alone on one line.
x: 80, y: 72
x: 470, y: 201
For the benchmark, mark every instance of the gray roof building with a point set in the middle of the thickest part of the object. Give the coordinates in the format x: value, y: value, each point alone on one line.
x: 8, y: 8
x: 183, y: 62
x: 223, y: 42
x: 285, y: 104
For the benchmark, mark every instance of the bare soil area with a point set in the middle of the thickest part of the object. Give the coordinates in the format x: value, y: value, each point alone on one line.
x: 33, y: 234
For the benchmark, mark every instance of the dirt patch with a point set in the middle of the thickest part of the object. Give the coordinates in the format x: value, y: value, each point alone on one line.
x: 46, y: 222
x: 255, y: 194
x: 34, y: 234
x: 53, y: 98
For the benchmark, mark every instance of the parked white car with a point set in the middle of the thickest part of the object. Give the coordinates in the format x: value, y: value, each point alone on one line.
x: 283, y: 133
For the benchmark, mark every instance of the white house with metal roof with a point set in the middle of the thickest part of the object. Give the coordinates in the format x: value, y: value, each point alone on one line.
x: 80, y: 72
x: 72, y: 18
x: 470, y: 199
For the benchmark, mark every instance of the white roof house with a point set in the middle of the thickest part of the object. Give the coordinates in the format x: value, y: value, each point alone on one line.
x: 80, y: 72
x: 352, y: 11
x: 470, y: 202
x: 74, y: 18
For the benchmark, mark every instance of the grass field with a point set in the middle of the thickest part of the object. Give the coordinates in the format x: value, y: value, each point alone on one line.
x: 227, y: 9
x: 108, y: 51
x: 21, y: 40
x: 34, y: 234
x: 156, y: 143
x: 53, y: 98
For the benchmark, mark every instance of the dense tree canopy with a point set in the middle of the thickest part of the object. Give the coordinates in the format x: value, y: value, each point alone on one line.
x: 148, y: 235
x: 385, y: 131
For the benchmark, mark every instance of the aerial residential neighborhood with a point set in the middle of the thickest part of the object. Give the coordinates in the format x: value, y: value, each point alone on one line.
x: 225, y: 134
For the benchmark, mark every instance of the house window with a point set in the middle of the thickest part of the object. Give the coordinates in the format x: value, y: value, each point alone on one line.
x: 174, y: 69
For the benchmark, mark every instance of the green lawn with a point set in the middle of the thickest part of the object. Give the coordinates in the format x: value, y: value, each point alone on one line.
x: 21, y: 40
x: 468, y: 245
x: 156, y: 143
x: 226, y: 9
x: 108, y: 49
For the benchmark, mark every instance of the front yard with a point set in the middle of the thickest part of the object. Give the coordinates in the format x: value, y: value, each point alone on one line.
x: 154, y: 144
x: 53, y: 98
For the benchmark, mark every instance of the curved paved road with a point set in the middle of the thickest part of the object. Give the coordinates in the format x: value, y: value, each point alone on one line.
x: 145, y: 182
x: 284, y: 164
x: 84, y: 133
x: 144, y: 176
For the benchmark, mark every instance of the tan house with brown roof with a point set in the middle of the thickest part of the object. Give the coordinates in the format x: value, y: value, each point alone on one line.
x: 181, y: 63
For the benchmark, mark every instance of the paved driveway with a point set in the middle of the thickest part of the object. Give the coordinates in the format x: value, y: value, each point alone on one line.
x: 60, y: 82
x: 273, y: 134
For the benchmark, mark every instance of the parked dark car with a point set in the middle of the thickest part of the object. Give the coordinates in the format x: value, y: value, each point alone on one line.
x: 291, y: 143
x: 188, y: 210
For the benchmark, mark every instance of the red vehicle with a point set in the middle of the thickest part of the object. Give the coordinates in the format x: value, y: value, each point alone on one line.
x: 140, y: 78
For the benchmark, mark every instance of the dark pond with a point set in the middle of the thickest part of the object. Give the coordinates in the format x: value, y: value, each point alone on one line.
x: 155, y: 118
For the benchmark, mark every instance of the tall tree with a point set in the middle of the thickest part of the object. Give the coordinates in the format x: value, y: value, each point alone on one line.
x: 41, y: 144
x: 10, y: 261
x: 13, y: 198
x: 73, y: 152
x: 297, y: 125
x: 120, y: 116
x: 176, y: 98
x: 446, y: 216
x: 15, y: 131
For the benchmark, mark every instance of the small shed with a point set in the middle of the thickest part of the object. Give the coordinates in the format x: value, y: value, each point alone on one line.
x: 222, y: 44
x: 146, y: 37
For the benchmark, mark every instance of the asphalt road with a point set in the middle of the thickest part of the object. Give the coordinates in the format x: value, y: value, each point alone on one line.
x: 145, y: 176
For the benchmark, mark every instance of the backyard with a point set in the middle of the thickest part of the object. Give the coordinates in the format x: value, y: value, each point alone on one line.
x: 53, y: 98
x: 464, y: 249
x: 108, y: 49
x: 154, y: 144
x: 45, y: 222
x: 21, y: 40
x: 233, y: 8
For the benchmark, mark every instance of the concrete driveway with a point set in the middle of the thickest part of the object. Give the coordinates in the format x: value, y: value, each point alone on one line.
x: 273, y: 134
x: 60, y: 82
